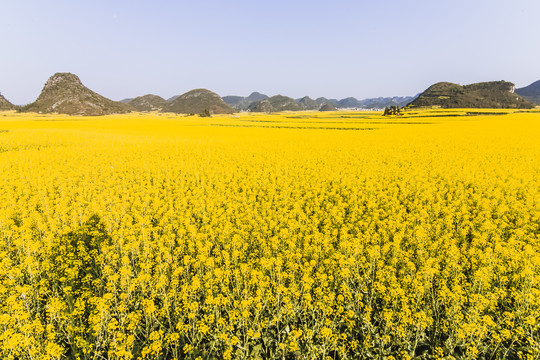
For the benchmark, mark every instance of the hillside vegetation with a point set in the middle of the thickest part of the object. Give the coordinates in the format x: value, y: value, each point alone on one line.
x: 242, y: 103
x: 327, y: 107
x: 275, y: 104
x: 148, y: 103
x: 494, y: 94
x: 196, y: 102
x: 65, y: 94
x: 308, y: 103
x: 5, y: 104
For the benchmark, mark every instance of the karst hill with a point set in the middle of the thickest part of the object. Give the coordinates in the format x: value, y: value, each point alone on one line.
x: 197, y: 101
x: 64, y: 93
x: 148, y: 103
x: 242, y: 103
x: 493, y: 94
x: 5, y: 104
x: 275, y: 103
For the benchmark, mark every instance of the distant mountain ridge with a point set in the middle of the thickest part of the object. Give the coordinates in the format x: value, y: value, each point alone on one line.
x: 382, y: 102
x: 493, y: 94
x: 531, y: 92
x: 254, y: 103
x: 323, y: 100
x: 371, y: 103
x: 65, y: 93
x: 275, y: 104
x: 242, y: 103
x: 349, y: 102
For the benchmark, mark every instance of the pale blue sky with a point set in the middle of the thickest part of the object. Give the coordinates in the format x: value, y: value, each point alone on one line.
x: 318, y: 48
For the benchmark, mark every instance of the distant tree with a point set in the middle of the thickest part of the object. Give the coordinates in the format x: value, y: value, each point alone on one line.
x: 392, y: 110
x: 205, y: 113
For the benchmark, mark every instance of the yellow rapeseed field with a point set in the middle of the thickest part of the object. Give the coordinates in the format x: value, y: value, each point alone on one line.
x: 341, y: 235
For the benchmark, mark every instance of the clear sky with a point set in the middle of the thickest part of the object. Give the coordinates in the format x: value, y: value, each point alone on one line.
x: 336, y: 49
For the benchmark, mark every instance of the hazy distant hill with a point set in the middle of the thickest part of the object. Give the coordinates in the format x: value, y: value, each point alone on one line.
x: 4, y: 104
x: 323, y: 100
x: 308, y: 103
x: 148, y: 103
x: 242, y: 103
x: 275, y: 104
x: 126, y: 100
x: 251, y: 103
x: 374, y: 103
x: 256, y: 96
x: 261, y: 106
x: 531, y: 92
x: 196, y: 101
x: 382, y: 102
x: 349, y: 102
x: 236, y: 102
x: 284, y: 103
x: 493, y: 94
x: 65, y: 94
x: 327, y: 107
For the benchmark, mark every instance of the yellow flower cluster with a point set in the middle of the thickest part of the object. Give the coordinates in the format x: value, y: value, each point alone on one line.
x: 342, y: 235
